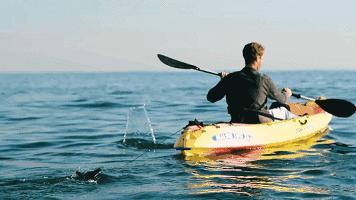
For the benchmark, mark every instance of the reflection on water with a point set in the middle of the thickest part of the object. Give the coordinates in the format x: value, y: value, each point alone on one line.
x: 248, y: 172
x: 250, y: 185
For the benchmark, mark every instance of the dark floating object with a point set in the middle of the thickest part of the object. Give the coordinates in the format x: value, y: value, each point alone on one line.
x: 90, y: 175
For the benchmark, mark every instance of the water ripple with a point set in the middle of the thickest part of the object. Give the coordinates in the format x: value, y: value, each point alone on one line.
x: 32, y: 145
x: 97, y: 105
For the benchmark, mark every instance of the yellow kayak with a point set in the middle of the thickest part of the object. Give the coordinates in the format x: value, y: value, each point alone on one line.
x: 221, y: 138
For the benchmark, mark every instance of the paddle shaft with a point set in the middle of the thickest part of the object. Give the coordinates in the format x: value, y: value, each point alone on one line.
x: 207, y: 71
x: 299, y: 96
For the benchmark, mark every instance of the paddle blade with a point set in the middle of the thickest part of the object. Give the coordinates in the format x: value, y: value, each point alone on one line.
x: 337, y: 107
x: 175, y: 63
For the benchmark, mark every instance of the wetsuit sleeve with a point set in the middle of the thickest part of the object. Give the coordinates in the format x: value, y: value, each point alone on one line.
x: 274, y: 93
x: 218, y: 92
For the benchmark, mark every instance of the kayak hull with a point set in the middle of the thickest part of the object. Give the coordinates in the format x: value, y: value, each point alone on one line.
x: 224, y: 138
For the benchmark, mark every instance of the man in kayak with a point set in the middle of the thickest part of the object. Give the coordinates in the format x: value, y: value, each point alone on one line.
x: 247, y: 91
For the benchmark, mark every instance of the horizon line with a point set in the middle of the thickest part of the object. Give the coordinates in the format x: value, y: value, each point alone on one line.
x: 159, y: 71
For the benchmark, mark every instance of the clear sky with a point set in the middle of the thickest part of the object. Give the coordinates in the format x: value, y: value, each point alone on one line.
x: 123, y: 35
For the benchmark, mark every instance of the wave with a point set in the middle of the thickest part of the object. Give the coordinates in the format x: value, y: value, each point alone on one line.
x: 342, y: 148
x: 121, y: 92
x: 6, y: 158
x: 88, y: 137
x: 79, y: 144
x: 32, y: 145
x: 23, y: 118
x: 102, y: 104
x: 80, y: 100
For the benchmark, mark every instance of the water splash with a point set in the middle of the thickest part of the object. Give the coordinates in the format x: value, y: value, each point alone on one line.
x: 138, y: 123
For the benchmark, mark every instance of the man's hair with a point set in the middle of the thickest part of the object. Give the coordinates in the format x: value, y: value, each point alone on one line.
x: 251, y: 51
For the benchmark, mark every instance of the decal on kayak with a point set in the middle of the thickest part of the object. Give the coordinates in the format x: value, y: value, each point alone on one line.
x: 304, y: 128
x: 232, y: 135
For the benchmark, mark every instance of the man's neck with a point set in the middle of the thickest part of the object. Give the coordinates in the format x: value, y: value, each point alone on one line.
x: 253, y: 66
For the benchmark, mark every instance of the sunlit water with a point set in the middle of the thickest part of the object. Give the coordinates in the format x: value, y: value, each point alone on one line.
x: 54, y: 124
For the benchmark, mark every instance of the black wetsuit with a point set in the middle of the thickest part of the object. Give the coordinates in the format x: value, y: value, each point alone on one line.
x: 246, y: 90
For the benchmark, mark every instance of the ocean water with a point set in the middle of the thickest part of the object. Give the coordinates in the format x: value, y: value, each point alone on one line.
x: 53, y: 124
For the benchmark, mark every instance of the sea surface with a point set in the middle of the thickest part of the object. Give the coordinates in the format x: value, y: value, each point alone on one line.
x: 54, y: 124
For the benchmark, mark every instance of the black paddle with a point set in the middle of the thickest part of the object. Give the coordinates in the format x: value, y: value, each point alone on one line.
x: 336, y: 107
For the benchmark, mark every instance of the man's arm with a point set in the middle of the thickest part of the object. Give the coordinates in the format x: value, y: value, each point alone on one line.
x: 274, y: 93
x: 218, y: 92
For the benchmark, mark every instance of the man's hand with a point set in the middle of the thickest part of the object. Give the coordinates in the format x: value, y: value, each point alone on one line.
x: 223, y: 74
x: 287, y: 91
